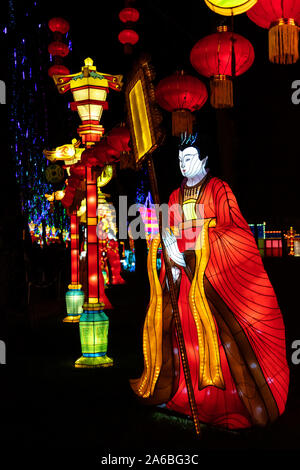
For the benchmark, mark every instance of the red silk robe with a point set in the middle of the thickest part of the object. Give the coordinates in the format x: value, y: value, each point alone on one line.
x: 232, y: 325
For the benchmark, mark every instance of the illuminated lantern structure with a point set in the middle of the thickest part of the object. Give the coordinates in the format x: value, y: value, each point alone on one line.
x: 181, y: 94
x: 68, y: 153
x: 221, y: 57
x: 94, y: 322
x: 128, y: 36
x: 89, y: 89
x: 230, y: 7
x: 282, y: 19
x: 58, y: 49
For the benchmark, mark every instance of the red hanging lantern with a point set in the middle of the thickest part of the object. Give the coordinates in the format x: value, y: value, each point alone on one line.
x: 282, y: 19
x: 129, y: 15
x: 222, y: 56
x: 59, y: 25
x: 58, y: 69
x: 58, y: 48
x: 128, y: 36
x: 181, y: 94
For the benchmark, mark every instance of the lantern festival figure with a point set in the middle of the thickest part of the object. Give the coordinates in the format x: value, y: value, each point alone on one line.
x: 107, y: 231
x: 232, y: 325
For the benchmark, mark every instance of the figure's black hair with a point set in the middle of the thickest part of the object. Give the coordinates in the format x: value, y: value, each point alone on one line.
x: 189, y: 140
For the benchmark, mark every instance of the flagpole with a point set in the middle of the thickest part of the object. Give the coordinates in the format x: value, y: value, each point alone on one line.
x: 180, y: 337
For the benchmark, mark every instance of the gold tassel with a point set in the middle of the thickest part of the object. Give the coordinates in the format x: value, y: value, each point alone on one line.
x: 221, y: 92
x: 283, y: 42
x: 182, y: 121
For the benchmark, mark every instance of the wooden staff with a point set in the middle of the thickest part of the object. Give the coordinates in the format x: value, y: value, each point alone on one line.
x: 182, y: 349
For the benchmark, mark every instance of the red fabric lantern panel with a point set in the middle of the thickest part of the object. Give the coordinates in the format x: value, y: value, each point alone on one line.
x: 129, y: 15
x: 59, y: 25
x: 74, y: 182
x: 58, y: 69
x: 68, y: 198
x: 58, y: 48
x: 282, y: 18
x: 181, y: 91
x: 78, y: 170
x: 266, y: 12
x: 181, y: 94
x: 100, y: 155
x: 212, y: 57
x: 119, y: 139
x: 128, y: 36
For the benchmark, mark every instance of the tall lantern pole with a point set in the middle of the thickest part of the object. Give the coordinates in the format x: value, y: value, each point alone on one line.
x: 90, y: 89
x: 70, y: 154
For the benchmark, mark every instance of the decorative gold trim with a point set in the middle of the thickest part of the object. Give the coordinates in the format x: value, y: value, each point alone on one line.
x: 144, y: 72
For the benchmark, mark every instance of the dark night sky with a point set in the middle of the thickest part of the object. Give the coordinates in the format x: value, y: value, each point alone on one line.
x: 254, y: 145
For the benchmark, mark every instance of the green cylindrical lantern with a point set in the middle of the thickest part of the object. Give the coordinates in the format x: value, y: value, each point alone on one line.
x: 93, y: 326
x: 74, y: 303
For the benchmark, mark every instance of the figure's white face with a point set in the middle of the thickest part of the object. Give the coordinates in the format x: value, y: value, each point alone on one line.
x: 189, y: 162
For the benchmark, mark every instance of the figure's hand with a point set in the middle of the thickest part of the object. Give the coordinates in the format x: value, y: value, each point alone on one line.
x: 176, y: 273
x: 170, y: 242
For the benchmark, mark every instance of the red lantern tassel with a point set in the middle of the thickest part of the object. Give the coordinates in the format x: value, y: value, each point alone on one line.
x: 182, y: 121
x: 283, y: 42
x: 221, y: 92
